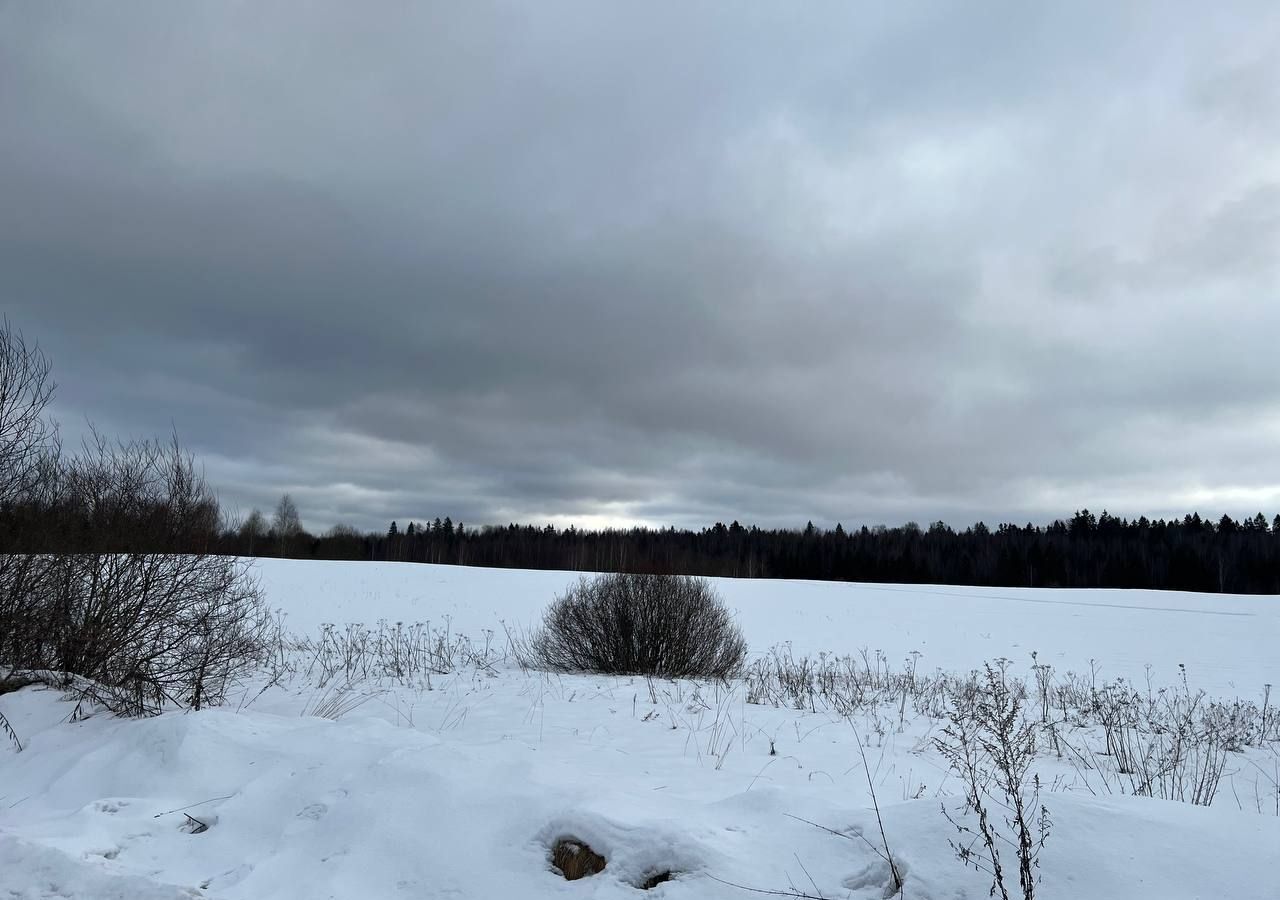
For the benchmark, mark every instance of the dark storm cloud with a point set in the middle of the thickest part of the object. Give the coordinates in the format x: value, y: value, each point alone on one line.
x: 675, y: 264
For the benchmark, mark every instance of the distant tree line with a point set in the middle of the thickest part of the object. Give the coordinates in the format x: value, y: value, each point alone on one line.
x: 1087, y: 551
x: 1191, y: 553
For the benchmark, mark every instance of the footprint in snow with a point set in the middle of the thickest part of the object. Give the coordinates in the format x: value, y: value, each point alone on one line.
x: 876, y: 880
x: 229, y: 878
x: 109, y: 807
x: 313, y: 811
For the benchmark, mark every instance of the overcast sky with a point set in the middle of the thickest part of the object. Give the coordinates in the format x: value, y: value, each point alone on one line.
x: 661, y: 263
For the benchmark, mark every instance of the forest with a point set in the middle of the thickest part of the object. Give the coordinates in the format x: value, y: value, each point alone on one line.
x: 1081, y: 551
x: 1085, y: 550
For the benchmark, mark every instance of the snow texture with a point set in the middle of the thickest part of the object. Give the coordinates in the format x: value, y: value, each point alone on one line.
x: 458, y: 789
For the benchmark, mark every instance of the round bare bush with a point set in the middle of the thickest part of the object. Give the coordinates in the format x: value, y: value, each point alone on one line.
x: 672, y: 626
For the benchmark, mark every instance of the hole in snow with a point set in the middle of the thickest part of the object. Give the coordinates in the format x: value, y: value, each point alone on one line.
x: 652, y: 881
x: 192, y: 825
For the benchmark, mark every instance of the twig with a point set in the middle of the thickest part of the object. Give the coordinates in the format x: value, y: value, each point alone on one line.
x: 742, y: 887
x: 8, y: 729
x: 893, y: 866
x: 816, y: 889
x: 862, y: 837
x: 192, y: 806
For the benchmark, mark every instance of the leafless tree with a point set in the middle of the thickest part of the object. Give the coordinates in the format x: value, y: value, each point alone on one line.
x: 286, y: 524
x: 25, y: 434
x: 253, y: 530
x: 139, y: 495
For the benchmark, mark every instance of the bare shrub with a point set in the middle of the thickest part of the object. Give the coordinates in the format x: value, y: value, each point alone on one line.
x: 107, y: 583
x: 154, y: 629
x: 1172, y: 743
x: 991, y: 745
x: 671, y: 626
x: 137, y: 632
x: 127, y: 625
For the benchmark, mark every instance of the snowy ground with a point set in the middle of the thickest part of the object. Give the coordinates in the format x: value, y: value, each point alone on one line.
x: 1228, y: 641
x: 456, y: 788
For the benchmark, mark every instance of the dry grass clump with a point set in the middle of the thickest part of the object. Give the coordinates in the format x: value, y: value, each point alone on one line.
x: 574, y: 859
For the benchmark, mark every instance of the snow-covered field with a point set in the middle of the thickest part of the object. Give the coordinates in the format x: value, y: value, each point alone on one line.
x: 1229, y: 642
x: 456, y: 785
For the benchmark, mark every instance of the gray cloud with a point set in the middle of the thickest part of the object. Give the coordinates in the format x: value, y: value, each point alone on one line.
x: 670, y: 265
